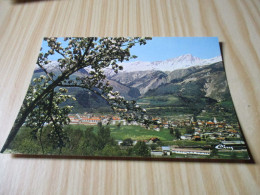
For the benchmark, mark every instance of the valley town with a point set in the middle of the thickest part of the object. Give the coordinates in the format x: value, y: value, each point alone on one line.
x: 186, y: 137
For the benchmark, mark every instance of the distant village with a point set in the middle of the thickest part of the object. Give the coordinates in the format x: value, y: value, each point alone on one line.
x: 227, y: 136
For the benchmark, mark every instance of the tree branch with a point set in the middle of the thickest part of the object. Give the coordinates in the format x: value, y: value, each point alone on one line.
x: 46, y: 72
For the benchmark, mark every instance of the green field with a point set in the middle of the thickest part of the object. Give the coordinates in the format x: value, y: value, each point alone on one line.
x: 232, y: 155
x: 131, y: 131
x: 160, y: 101
x: 139, y: 133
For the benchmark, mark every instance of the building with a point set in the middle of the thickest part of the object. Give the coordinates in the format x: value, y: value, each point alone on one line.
x: 90, y: 121
x: 186, y: 137
x: 74, y: 120
x: 156, y: 153
x: 190, y: 151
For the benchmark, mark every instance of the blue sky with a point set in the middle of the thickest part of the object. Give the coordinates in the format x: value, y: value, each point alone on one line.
x: 163, y: 48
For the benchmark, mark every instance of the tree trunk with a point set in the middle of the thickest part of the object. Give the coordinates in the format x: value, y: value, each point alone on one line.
x: 20, y: 121
x: 17, y: 125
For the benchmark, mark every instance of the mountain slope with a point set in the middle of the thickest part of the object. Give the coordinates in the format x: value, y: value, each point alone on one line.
x: 209, y: 81
x: 189, y: 91
x: 141, y: 80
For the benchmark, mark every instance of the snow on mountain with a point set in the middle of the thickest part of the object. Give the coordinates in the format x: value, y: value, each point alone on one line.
x: 181, y: 62
x: 211, y: 60
x: 51, y: 67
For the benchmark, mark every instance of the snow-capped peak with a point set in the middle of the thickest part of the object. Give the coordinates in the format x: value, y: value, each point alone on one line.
x: 181, y: 62
x: 50, y: 67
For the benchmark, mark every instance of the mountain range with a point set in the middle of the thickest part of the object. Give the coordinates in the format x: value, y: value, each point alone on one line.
x: 187, y: 82
x: 147, y: 76
x: 181, y: 62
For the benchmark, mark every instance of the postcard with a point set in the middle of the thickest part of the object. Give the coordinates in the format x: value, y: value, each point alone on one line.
x: 136, y: 98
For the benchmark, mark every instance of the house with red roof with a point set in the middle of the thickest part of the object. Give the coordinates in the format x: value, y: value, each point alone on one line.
x: 90, y: 121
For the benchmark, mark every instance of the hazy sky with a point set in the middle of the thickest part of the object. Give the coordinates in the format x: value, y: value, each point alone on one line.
x: 163, y: 48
